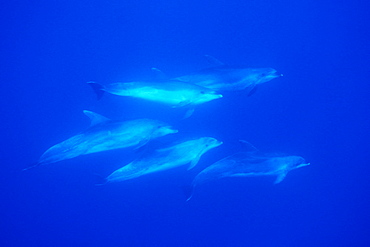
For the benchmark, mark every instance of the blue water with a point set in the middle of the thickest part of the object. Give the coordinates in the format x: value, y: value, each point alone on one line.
x: 319, y: 110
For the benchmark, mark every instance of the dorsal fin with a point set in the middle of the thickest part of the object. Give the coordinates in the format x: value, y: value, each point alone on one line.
x: 95, y: 118
x: 98, y: 89
x: 248, y: 146
x: 213, y: 61
x: 159, y: 75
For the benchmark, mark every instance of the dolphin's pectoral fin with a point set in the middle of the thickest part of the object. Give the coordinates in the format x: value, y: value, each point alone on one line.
x: 188, y: 113
x: 98, y: 89
x: 280, y: 177
x: 142, y: 143
x: 159, y: 75
x: 183, y: 103
x: 213, y: 61
x: 252, y: 91
x: 194, y: 162
x: 140, y: 149
x: 95, y: 118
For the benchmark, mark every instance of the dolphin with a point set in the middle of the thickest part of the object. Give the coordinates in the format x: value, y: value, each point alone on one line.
x: 249, y: 164
x: 173, y: 93
x: 221, y: 77
x: 166, y: 158
x: 105, y: 134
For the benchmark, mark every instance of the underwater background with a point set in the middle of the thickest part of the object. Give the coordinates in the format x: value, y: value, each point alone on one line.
x: 319, y: 110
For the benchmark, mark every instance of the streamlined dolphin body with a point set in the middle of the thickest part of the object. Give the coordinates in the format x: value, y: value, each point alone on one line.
x: 225, y: 78
x: 250, y: 164
x: 105, y: 134
x: 166, y: 158
x: 172, y: 93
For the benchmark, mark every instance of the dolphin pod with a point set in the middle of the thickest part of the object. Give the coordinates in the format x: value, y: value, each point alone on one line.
x: 193, y: 89
x: 186, y: 91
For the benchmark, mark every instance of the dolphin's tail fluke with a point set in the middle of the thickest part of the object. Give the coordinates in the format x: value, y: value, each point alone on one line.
x: 100, y: 180
x: 31, y: 166
x: 98, y: 89
x: 188, y: 191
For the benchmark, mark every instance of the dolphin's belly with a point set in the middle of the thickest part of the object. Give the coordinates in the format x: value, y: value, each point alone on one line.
x: 170, y: 97
x: 124, y: 173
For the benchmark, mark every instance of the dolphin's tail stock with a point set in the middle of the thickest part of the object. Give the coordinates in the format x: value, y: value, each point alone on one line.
x: 98, y: 89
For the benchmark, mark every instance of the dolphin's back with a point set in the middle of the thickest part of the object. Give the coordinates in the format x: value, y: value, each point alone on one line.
x: 226, y: 78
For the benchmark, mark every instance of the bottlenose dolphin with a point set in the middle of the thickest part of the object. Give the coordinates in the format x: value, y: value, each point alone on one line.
x: 249, y: 164
x: 173, y: 93
x: 105, y: 134
x: 166, y: 158
x: 221, y: 77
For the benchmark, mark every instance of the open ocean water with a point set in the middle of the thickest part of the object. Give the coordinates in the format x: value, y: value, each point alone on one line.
x: 318, y: 110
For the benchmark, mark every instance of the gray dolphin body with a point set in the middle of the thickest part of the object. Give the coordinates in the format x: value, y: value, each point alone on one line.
x: 173, y: 93
x: 225, y: 78
x: 105, y: 134
x: 250, y: 164
x: 166, y: 158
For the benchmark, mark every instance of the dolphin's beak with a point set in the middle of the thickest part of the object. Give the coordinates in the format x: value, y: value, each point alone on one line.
x: 216, y: 95
x: 218, y: 143
x: 215, y: 144
x: 302, y: 165
x: 274, y: 75
x: 171, y: 130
